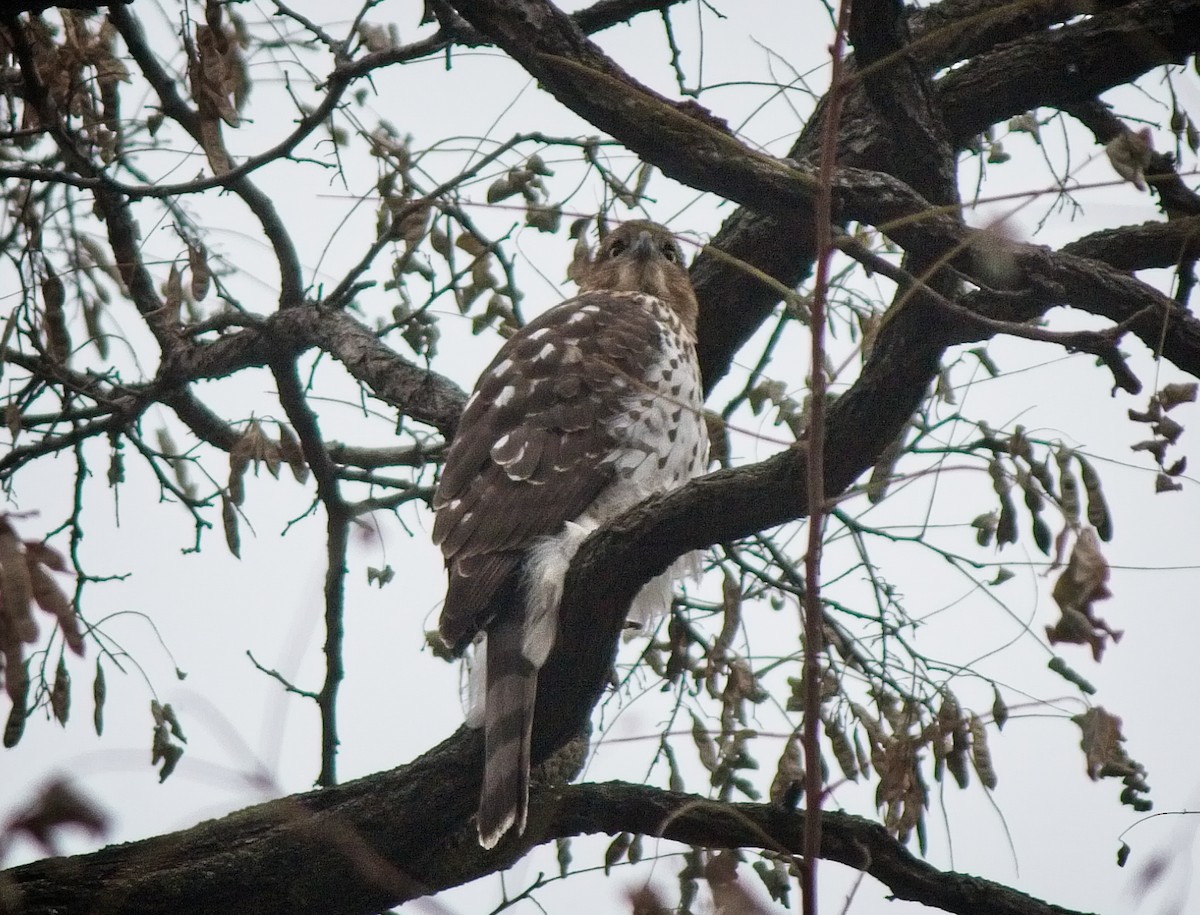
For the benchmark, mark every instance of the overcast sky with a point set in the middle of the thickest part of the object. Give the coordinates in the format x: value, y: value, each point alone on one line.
x: 1046, y: 829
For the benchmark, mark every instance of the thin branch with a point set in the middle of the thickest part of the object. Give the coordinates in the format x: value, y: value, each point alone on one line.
x: 815, y: 442
x: 304, y: 421
x: 1102, y: 344
x: 287, y: 684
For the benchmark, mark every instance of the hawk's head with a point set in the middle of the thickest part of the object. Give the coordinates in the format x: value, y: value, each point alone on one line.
x: 642, y: 256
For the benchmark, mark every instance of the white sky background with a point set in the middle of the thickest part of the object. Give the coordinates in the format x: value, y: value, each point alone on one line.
x: 397, y: 700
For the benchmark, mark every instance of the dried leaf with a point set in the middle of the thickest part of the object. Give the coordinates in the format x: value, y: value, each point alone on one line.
x: 616, y: 850
x: 1101, y: 741
x: 58, y: 340
x: 1081, y: 584
x: 1168, y: 429
x: 162, y: 748
x: 860, y: 754
x: 44, y: 554
x: 776, y: 879
x: 229, y: 521
x: 440, y: 242
x: 172, y: 308
x: 9, y: 326
x: 503, y: 188
x: 1123, y: 854
x: 99, y: 694
x: 731, y: 603
x: 787, y: 787
x: 705, y: 746
x: 1172, y: 395
x: 1041, y: 534
x: 999, y: 710
x: 1006, y: 523
x: 635, y: 853
x: 471, y: 244
x: 198, y: 265
x: 1164, y: 483
x: 843, y: 752
x: 380, y: 577
x: 544, y: 217
x: 116, y: 463
x: 292, y: 453
x: 985, y: 528
x: 1003, y: 574
x: 16, y: 590
x: 171, y: 755
x: 91, y: 321
x: 14, y: 727
x: 675, y: 778
x: 60, y: 693
x: 213, y: 144
x: 1060, y: 667
x: 563, y: 853
x: 412, y: 223
x: 1097, y: 509
x: 1067, y: 485
x: 240, y: 455
x: 216, y: 75
x: 172, y: 722
x: 981, y: 757
x: 51, y: 598
x: 958, y: 729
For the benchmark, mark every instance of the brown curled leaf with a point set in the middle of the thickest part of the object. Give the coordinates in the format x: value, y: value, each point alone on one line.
x: 58, y: 339
x: 99, y: 694
x: 16, y: 587
x: 229, y: 522
x: 201, y: 274
x: 51, y: 598
x: 60, y: 693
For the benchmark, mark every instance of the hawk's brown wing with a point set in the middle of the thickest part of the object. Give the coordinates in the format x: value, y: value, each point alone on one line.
x: 533, y: 449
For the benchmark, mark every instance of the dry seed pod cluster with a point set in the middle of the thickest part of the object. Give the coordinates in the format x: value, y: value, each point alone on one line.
x: 26, y: 582
x: 1165, y: 431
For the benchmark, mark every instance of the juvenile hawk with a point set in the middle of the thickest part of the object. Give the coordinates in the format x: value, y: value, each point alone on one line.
x: 585, y: 412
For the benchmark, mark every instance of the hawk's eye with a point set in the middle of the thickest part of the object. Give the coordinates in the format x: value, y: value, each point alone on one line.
x: 617, y: 248
x: 670, y: 252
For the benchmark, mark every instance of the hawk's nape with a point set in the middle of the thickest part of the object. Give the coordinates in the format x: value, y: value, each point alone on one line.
x: 586, y: 411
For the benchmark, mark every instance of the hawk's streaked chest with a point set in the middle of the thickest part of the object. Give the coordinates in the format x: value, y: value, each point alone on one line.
x: 659, y: 430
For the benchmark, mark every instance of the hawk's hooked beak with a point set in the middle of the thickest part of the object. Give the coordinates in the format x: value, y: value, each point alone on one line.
x: 643, y: 248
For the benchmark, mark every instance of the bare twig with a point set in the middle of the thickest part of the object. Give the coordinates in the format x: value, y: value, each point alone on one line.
x: 813, y: 615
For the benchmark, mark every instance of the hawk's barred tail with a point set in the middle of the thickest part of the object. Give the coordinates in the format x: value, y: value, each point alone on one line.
x: 507, y: 724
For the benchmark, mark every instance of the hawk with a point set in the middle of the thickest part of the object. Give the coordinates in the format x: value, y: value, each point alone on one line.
x: 586, y: 411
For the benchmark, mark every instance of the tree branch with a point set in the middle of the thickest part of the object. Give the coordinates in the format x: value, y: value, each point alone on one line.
x: 350, y: 830
x: 856, y: 842
x: 1059, y: 67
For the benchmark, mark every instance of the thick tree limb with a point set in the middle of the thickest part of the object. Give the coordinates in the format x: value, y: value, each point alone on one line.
x: 1058, y: 67
x: 853, y: 841
x: 348, y: 827
x: 1142, y: 247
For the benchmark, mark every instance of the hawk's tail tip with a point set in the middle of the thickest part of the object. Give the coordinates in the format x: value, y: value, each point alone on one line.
x: 492, y: 830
